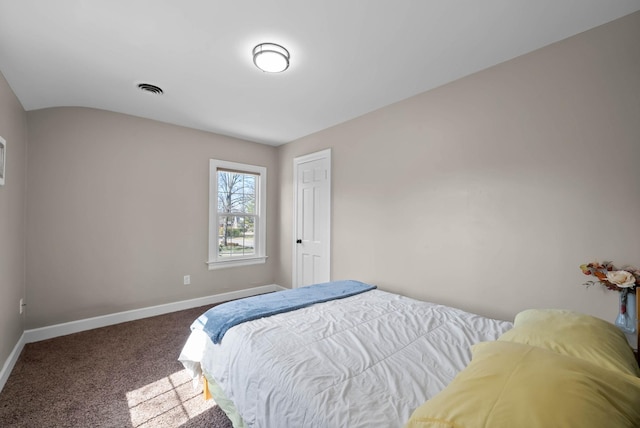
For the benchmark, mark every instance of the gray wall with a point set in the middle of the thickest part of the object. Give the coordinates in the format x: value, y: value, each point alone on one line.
x: 118, y: 214
x: 489, y: 192
x: 13, y: 128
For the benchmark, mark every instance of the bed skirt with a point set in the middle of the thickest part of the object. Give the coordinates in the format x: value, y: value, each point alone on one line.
x: 213, y: 390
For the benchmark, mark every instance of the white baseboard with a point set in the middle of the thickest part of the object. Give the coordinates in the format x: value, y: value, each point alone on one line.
x: 38, y: 334
x: 44, y: 333
x: 11, y: 361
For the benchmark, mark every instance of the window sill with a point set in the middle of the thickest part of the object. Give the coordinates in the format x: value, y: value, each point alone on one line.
x: 213, y: 265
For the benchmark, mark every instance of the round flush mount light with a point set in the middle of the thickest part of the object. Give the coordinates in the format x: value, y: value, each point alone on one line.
x: 271, y: 58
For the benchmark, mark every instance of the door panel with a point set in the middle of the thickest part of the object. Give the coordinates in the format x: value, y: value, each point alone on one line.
x: 312, y: 216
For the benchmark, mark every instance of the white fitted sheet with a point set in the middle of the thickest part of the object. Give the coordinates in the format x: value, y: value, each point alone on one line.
x: 362, y: 361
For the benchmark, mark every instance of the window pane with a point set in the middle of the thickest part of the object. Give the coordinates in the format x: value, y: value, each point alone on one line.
x: 236, y: 192
x: 238, y: 221
x: 236, y: 236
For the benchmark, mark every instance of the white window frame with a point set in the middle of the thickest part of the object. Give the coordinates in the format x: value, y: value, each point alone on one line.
x: 260, y: 256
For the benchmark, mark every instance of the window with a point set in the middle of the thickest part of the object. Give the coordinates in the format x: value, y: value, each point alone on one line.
x: 237, y: 214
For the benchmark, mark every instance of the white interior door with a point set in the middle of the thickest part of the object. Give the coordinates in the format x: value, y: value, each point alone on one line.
x: 312, y: 216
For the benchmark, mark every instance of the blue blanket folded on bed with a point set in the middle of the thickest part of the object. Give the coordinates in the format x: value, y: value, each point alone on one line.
x: 217, y: 320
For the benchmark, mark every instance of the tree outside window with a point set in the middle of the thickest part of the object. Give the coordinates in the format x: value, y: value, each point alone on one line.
x: 236, y: 213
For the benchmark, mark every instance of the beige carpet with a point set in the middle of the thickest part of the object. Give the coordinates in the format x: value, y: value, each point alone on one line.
x: 126, y: 375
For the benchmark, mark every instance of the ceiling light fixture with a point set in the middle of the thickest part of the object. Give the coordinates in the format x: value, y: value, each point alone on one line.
x: 271, y: 58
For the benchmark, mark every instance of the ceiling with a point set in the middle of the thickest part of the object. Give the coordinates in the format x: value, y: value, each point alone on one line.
x: 347, y: 57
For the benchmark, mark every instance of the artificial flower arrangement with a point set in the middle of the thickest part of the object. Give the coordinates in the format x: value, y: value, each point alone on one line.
x: 623, y: 280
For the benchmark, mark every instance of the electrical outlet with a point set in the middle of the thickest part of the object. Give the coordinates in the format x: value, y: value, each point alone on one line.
x: 187, y: 279
x: 21, y: 306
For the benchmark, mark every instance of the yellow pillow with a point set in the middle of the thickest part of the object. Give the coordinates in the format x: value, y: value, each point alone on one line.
x: 509, y: 385
x: 574, y: 334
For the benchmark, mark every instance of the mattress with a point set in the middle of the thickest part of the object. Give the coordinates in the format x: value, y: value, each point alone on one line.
x: 366, y: 360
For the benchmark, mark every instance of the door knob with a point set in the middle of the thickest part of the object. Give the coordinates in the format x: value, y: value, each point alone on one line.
x: 299, y: 241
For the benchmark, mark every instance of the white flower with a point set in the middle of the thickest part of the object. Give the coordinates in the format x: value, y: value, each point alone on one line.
x: 621, y: 278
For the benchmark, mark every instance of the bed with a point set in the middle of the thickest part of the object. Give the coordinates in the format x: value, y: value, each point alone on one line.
x: 376, y: 358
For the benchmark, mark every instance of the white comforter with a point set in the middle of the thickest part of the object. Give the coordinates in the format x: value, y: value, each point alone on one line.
x: 363, y: 361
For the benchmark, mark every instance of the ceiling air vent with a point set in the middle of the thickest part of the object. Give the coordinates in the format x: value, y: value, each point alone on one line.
x: 147, y: 87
